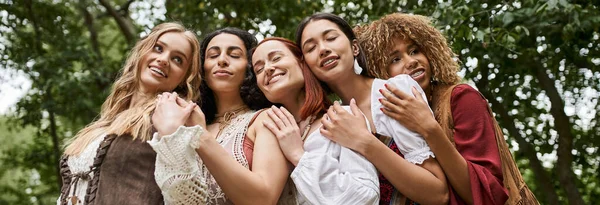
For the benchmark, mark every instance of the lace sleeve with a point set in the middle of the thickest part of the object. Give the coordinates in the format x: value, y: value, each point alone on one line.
x: 411, y: 144
x: 177, y: 172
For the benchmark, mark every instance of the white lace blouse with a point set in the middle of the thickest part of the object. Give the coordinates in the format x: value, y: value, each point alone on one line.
x: 177, y: 171
x: 328, y: 173
x: 411, y: 144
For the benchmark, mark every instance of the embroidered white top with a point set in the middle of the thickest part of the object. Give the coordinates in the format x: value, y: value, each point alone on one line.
x: 328, y: 173
x: 411, y: 144
x: 80, y: 164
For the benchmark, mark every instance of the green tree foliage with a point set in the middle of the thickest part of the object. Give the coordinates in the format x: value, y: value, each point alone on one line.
x: 535, y: 61
x: 71, y: 52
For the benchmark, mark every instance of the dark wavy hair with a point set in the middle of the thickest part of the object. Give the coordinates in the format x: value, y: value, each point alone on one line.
x: 344, y: 26
x: 249, y: 91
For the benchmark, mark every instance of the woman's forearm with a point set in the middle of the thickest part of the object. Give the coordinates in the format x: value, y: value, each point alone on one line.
x: 413, y: 181
x: 451, y: 161
x: 240, y: 184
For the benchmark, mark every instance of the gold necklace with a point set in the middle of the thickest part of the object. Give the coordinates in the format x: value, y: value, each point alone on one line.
x: 307, y: 128
x: 228, y: 116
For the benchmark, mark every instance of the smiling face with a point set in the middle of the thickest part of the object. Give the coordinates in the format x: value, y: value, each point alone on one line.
x: 166, y: 65
x: 225, y: 63
x: 278, y: 72
x: 327, y: 50
x: 407, y: 58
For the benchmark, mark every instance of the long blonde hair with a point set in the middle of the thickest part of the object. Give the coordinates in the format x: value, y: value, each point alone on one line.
x: 116, y: 115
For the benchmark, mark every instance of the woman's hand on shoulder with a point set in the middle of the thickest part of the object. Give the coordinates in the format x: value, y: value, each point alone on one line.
x: 283, y: 125
x: 169, y: 115
x: 409, y: 110
x: 345, y: 128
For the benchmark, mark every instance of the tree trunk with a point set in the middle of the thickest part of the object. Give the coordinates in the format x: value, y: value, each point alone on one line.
x: 542, y: 178
x: 40, y: 51
x: 565, y: 138
x: 55, y: 142
x: 124, y: 23
x: 36, y: 29
x: 89, y: 23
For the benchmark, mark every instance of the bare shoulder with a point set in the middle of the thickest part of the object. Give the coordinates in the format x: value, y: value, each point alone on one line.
x: 257, y: 127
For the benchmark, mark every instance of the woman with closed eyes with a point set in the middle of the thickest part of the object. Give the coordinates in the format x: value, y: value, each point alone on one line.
x: 325, y: 172
x: 221, y: 154
x: 407, y: 164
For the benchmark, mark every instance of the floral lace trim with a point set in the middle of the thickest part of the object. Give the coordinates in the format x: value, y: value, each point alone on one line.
x: 419, y: 155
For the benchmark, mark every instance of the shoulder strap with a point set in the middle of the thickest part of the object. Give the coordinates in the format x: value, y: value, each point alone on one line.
x: 256, y: 115
x: 95, y: 168
x: 65, y: 173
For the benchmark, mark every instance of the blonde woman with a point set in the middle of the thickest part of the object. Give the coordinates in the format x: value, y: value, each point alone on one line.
x: 109, y: 161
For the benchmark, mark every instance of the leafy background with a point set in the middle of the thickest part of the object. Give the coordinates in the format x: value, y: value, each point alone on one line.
x: 535, y: 61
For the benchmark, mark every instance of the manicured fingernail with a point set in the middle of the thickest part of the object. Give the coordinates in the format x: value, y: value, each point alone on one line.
x: 380, y: 99
x: 381, y: 90
x: 381, y: 109
x: 386, y: 85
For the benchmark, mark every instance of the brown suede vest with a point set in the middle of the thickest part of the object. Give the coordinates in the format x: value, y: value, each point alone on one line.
x: 123, y: 173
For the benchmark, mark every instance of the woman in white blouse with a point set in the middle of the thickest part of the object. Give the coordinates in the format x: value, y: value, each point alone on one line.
x: 332, y: 53
x: 325, y: 172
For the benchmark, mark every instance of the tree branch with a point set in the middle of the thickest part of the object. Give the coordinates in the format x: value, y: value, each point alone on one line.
x: 36, y: 29
x: 542, y: 177
x: 124, y: 9
x: 89, y: 23
x: 124, y: 23
x: 55, y: 142
x: 565, y: 138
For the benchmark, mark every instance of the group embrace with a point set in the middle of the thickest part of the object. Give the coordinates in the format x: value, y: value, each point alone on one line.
x: 230, y: 120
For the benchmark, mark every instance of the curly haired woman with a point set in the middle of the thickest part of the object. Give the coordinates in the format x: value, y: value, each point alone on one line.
x: 462, y: 134
x: 332, y: 53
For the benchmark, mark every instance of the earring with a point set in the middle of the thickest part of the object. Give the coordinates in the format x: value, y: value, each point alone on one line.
x: 433, y: 82
x: 357, y: 68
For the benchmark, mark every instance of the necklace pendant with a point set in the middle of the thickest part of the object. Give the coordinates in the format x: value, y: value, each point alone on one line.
x: 74, y: 199
x: 307, y: 128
